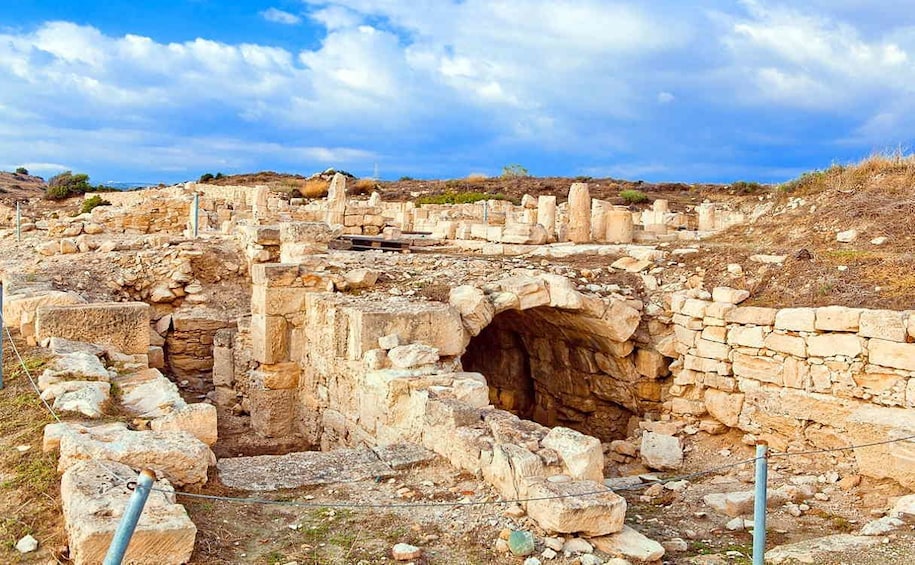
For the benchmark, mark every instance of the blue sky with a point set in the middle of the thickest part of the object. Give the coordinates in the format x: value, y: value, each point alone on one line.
x: 704, y: 90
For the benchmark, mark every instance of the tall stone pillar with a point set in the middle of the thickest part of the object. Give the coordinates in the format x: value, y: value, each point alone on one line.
x: 706, y: 217
x: 336, y: 200
x: 579, y: 213
x: 546, y: 215
x: 619, y: 225
x: 259, y: 207
x: 599, y: 209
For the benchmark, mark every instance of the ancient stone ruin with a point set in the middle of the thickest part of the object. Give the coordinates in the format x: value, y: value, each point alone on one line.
x: 481, y: 348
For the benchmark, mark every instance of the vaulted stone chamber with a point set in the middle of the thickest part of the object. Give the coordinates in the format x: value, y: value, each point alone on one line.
x: 548, y: 365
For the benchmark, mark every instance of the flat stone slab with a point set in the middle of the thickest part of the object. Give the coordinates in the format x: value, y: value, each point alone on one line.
x: 309, y: 468
x: 816, y: 550
x: 93, y: 501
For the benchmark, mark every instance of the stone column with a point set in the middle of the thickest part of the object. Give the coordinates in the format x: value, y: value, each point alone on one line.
x: 336, y: 200
x: 546, y: 215
x: 579, y: 213
x: 259, y: 207
x: 619, y: 225
x: 706, y: 216
x: 599, y: 210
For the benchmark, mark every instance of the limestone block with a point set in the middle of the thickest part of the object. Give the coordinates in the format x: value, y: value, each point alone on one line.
x: 715, y: 333
x: 631, y: 264
x: 563, y: 293
x: 712, y: 350
x: 650, y: 363
x: 581, y: 455
x: 122, y: 325
x: 546, y: 215
x: 269, y: 340
x: 796, y: 319
x: 156, y: 357
x: 510, y: 468
x: 758, y: 368
x: 177, y: 456
x: 361, y: 278
x: 630, y: 545
x: 870, y: 424
x: 579, y: 205
x: 149, y: 394
x: 783, y: 343
x: 889, y: 325
x: 524, y: 234
x: 475, y: 309
x: 223, y: 366
x: 729, y: 295
x: 86, y: 398
x: 829, y: 345
x: 688, y: 337
x: 280, y: 376
x: 751, y: 315
x: 565, y: 511
x: 820, y: 550
x: 93, y: 502
x: 531, y: 292
x: 272, y: 411
x: 78, y: 365
x: 620, y: 321
x: 724, y: 407
x: 747, y: 336
x: 838, y: 318
x: 694, y: 308
x: 892, y: 354
x: 413, y: 355
x: 282, y: 301
x: 661, y: 452
x: 198, y: 420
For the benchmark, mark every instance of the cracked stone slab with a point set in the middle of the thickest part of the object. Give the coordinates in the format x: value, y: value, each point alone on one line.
x: 403, y: 455
x: 307, y: 468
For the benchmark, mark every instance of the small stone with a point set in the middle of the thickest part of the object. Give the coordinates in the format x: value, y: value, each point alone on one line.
x: 882, y: 526
x: 554, y: 543
x: 406, y: 552
x: 847, y: 236
x: 501, y: 546
x: 521, y: 543
x: 879, y: 240
x: 588, y: 559
x: 27, y: 544
x: 577, y: 546
x: 737, y: 524
x: 549, y: 554
x: 532, y: 561
x: 514, y: 511
x: 675, y: 545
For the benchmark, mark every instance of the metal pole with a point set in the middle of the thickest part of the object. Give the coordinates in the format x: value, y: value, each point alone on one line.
x: 128, y: 522
x: 759, y: 504
x: 196, y: 214
x: 2, y: 323
x: 18, y: 223
x: 485, y: 212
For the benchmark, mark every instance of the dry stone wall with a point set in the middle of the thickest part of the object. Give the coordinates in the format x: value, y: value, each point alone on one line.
x: 830, y: 376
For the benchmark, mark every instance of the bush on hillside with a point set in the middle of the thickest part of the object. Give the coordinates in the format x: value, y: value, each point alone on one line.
x: 92, y: 203
x: 205, y: 177
x: 22, y: 171
x: 66, y: 184
x: 633, y: 196
x: 459, y: 198
x: 744, y: 187
x: 513, y: 171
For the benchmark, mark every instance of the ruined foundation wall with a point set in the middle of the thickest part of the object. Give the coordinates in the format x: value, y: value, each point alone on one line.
x: 830, y: 376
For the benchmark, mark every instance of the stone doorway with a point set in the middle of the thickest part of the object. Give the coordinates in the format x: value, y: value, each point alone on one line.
x: 544, y: 364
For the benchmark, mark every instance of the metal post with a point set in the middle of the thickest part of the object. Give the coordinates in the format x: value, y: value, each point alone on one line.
x: 759, y: 503
x: 196, y: 214
x: 2, y: 323
x: 18, y: 223
x: 128, y: 522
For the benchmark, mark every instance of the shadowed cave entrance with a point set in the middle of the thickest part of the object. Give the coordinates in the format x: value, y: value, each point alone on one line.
x: 554, y: 367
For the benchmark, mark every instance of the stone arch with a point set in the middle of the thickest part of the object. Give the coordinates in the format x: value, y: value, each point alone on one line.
x: 559, y: 357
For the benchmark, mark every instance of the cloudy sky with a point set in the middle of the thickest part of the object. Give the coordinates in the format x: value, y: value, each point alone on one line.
x: 699, y: 90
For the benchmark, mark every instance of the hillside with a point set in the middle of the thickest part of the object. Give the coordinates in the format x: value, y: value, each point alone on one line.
x: 14, y: 187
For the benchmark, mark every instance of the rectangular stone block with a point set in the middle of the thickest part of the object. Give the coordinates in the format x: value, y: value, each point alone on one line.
x: 758, y: 368
x: 562, y: 509
x: 269, y: 342
x: 796, y: 319
x: 790, y: 344
x: 746, y: 337
x: 278, y: 377
x: 121, y: 325
x: 272, y: 412
x: 837, y: 319
x: 751, y: 315
x: 278, y: 301
x: 832, y: 344
x: 892, y: 354
x: 883, y: 324
x: 712, y: 350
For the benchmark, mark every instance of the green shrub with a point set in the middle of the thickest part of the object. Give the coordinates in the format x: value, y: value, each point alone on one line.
x: 218, y: 176
x: 459, y: 198
x: 22, y: 171
x: 745, y: 187
x: 67, y: 184
x: 206, y: 177
x: 513, y: 171
x: 633, y: 196
x: 403, y: 179
x: 93, y: 202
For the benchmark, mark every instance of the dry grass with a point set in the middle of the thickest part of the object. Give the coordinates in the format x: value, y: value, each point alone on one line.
x: 887, y: 171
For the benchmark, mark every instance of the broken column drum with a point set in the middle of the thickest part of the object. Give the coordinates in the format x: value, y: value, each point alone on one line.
x: 619, y: 225
x: 579, y: 213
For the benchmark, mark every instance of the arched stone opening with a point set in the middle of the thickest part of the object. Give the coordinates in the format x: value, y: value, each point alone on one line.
x: 555, y: 367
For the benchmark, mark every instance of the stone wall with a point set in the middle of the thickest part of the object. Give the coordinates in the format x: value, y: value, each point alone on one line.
x: 827, y: 377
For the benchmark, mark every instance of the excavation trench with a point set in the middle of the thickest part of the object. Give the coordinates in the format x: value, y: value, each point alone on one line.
x: 545, y: 365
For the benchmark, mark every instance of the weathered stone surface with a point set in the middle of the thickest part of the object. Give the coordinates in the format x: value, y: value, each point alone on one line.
x: 581, y: 455
x: 177, y: 456
x: 579, y: 204
x: 796, y: 319
x: 724, y: 407
x: 758, y: 368
x: 729, y: 295
x: 751, y: 315
x: 871, y: 424
x: 198, y: 420
x: 531, y: 292
x: 295, y: 470
x: 892, y: 354
x: 819, y: 549
x: 832, y: 344
x: 148, y: 394
x: 790, y: 344
x: 621, y: 321
x: 837, y: 319
x: 631, y: 545
x: 883, y: 324
x: 747, y: 336
x: 361, y: 278
x: 87, y: 398
x: 412, y: 355
x: 123, y: 325
x: 93, y: 502
x: 475, y: 309
x: 73, y: 366
x: 661, y: 452
x: 592, y: 515
x: 278, y: 377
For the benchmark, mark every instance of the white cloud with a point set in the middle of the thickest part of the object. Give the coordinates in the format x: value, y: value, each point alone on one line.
x: 666, y: 97
x: 278, y: 16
